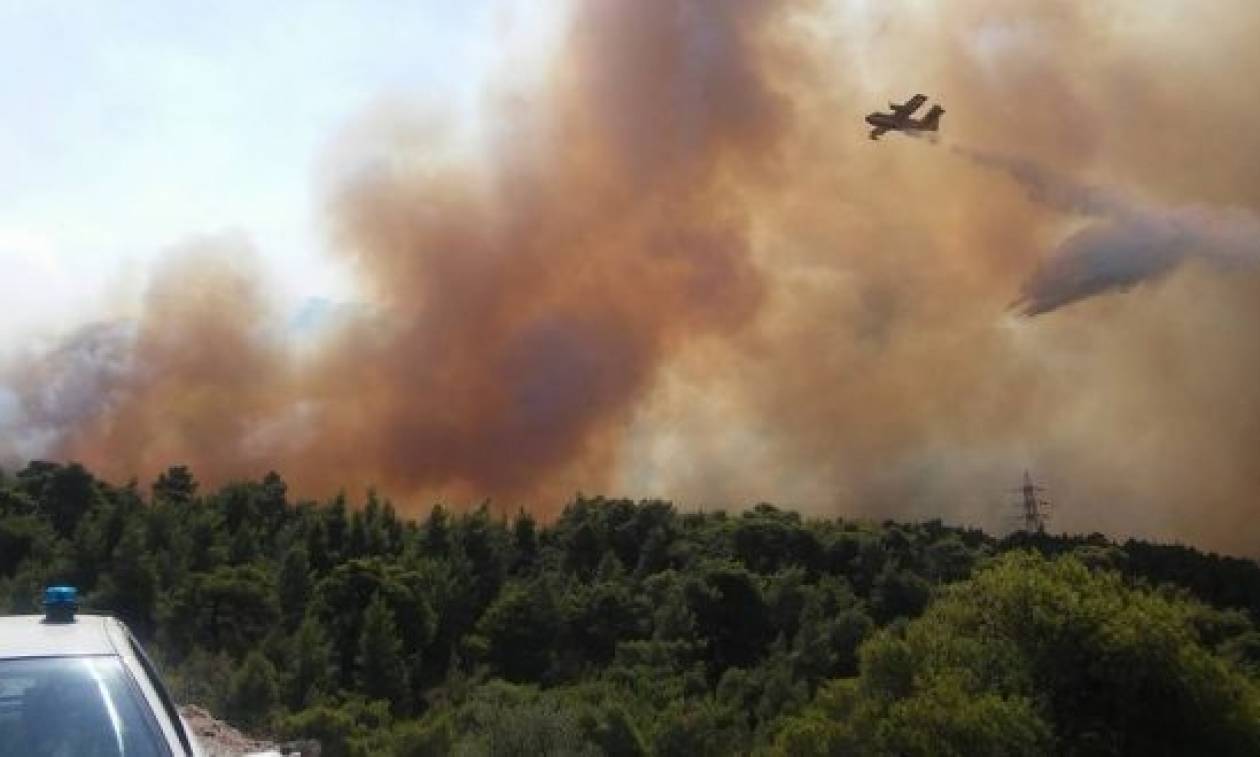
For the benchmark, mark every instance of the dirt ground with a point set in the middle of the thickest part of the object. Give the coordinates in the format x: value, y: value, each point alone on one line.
x: 218, y: 739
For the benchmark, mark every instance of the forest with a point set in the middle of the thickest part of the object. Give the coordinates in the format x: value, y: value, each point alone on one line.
x: 639, y: 628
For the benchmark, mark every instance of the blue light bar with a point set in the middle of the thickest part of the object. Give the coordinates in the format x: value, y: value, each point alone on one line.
x: 60, y: 603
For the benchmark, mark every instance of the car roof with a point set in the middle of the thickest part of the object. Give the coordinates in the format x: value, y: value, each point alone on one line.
x: 32, y: 636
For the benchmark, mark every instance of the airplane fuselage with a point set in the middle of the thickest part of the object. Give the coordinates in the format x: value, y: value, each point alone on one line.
x: 900, y: 118
x: 891, y: 122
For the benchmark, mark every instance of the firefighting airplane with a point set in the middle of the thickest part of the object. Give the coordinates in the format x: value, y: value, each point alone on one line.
x: 900, y: 118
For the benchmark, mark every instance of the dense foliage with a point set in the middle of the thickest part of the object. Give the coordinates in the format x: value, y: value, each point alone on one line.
x: 631, y: 629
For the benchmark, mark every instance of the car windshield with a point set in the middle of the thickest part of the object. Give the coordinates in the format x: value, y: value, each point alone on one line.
x: 73, y: 707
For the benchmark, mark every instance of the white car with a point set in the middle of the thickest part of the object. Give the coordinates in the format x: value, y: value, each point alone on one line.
x: 81, y: 686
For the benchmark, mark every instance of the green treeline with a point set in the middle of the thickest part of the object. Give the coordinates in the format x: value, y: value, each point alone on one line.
x: 630, y: 628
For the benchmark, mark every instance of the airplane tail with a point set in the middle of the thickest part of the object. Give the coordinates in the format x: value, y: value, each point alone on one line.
x: 932, y: 121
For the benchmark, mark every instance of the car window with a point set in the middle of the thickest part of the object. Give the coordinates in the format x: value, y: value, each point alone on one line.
x: 73, y: 707
x: 156, y: 680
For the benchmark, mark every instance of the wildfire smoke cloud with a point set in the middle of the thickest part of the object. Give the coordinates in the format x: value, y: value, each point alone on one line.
x: 683, y: 271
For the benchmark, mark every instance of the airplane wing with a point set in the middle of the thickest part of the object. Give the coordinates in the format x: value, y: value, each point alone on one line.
x: 877, y: 131
x: 908, y: 108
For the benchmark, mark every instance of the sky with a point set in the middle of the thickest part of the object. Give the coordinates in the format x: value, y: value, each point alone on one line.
x: 128, y: 128
x: 514, y: 250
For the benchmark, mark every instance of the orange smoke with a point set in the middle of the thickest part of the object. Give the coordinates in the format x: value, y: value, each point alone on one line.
x: 518, y: 317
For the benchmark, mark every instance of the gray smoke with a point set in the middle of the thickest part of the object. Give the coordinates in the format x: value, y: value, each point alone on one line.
x: 1129, y: 243
x: 49, y: 395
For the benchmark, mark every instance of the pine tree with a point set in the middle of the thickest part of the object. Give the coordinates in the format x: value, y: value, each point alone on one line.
x: 381, y: 673
x: 524, y: 542
x: 254, y: 692
x: 310, y: 665
x: 674, y: 620
x: 437, y: 532
x: 294, y: 585
x: 176, y: 486
x: 244, y: 546
x: 610, y: 568
x: 130, y: 586
x: 654, y: 555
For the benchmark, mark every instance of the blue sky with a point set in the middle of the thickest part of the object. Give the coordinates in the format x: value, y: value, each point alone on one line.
x: 126, y: 128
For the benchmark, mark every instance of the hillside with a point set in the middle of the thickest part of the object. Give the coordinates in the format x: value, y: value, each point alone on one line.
x: 636, y: 628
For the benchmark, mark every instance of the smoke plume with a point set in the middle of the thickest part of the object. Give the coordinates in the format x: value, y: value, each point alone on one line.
x: 519, y: 313
x: 1131, y: 242
x: 678, y: 268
